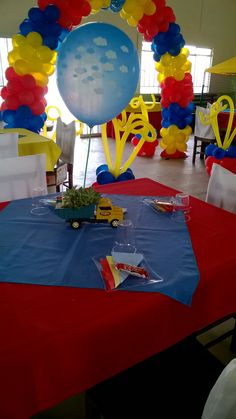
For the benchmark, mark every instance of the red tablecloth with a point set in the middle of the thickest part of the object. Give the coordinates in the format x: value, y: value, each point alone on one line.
x: 154, y: 119
x: 223, y: 118
x: 59, y: 341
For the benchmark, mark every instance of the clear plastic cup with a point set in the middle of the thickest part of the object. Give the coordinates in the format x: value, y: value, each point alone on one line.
x: 124, y: 237
x: 38, y: 206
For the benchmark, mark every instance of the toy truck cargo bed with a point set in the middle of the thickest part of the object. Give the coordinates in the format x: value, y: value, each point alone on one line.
x: 84, y: 213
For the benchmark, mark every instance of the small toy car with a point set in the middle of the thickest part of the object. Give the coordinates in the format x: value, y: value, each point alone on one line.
x: 132, y: 270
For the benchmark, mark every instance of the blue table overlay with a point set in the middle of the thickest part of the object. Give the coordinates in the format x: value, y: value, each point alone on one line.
x: 45, y: 250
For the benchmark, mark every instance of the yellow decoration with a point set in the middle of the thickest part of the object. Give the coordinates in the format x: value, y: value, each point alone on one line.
x: 212, y: 119
x: 174, y: 139
x: 173, y: 66
x: 135, y: 124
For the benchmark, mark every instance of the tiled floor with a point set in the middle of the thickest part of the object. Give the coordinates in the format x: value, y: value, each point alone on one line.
x: 179, y: 174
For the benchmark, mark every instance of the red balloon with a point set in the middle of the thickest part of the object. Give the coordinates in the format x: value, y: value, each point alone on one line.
x: 14, y: 86
x: 4, y: 92
x: 28, y: 81
x: 26, y: 97
x: 37, y: 108
x: 12, y: 102
x: 10, y: 73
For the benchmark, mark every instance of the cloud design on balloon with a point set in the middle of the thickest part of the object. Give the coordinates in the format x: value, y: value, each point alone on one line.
x: 100, y: 42
x: 124, y: 69
x: 80, y: 70
x: 90, y: 51
x: 124, y: 48
x: 99, y: 91
x: 111, y: 55
x: 97, y: 75
x: 81, y: 49
x: 108, y: 67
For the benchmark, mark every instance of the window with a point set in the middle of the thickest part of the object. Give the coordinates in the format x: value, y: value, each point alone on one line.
x: 201, y: 58
x: 5, y: 47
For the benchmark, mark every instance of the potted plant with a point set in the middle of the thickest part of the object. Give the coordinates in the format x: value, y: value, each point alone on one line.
x: 80, y: 197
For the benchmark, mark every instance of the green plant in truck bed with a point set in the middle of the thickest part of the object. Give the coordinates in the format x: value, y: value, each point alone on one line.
x: 80, y: 197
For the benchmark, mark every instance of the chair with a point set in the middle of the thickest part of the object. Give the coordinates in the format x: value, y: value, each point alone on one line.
x: 65, y: 139
x: 8, y: 145
x: 221, y: 401
x: 221, y: 190
x: 203, y: 134
x: 20, y: 175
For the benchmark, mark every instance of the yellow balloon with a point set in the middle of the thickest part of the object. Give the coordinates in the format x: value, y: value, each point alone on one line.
x: 96, y: 4
x: 132, y: 22
x: 34, y: 39
x: 129, y: 6
x: 180, y: 137
x: 54, y: 57
x: 36, y: 66
x: 41, y: 79
x: 44, y: 54
x: 48, y: 69
x: 27, y: 52
x: 166, y: 59
x: 172, y: 129
x: 181, y: 146
x: 171, y: 149
x: 178, y: 75
x: 21, y: 67
x: 150, y: 8
x: 18, y: 40
x: 13, y: 55
x: 185, y: 51
x: 137, y: 14
x: 163, y: 132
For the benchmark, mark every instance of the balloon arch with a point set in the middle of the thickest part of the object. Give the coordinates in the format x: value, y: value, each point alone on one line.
x: 34, y: 56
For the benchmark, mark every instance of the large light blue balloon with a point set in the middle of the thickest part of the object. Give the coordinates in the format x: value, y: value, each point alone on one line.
x: 97, y: 72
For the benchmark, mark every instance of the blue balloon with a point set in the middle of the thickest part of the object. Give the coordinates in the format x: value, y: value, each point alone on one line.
x: 97, y: 72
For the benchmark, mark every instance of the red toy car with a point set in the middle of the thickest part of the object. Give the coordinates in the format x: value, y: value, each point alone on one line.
x: 132, y: 270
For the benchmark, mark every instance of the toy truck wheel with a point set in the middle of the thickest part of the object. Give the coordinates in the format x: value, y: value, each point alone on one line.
x: 114, y: 223
x: 75, y: 224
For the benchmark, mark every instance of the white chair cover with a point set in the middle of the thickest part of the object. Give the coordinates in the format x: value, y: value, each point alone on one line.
x: 65, y: 139
x: 8, y: 145
x: 221, y: 190
x: 20, y: 175
x: 221, y: 402
x: 201, y: 130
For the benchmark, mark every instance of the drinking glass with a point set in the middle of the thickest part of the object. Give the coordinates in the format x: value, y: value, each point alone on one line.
x: 38, y: 206
x: 181, y: 211
x: 124, y: 237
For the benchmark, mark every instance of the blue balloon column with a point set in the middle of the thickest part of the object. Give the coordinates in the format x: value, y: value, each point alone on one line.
x: 97, y: 72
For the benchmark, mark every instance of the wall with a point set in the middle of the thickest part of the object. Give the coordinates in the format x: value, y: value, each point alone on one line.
x: 206, y: 23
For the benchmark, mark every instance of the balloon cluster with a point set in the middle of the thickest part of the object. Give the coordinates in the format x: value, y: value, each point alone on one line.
x: 29, y: 56
x: 171, y: 66
x: 133, y: 11
x: 170, y: 41
x: 71, y: 11
x: 175, y: 115
x: 153, y: 23
x: 24, y: 118
x: 174, y: 139
x: 148, y: 149
x: 23, y: 90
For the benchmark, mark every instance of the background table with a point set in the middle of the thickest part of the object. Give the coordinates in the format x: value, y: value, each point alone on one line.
x: 58, y: 341
x: 33, y: 143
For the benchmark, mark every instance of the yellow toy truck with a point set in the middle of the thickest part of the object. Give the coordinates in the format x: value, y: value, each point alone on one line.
x: 102, y: 212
